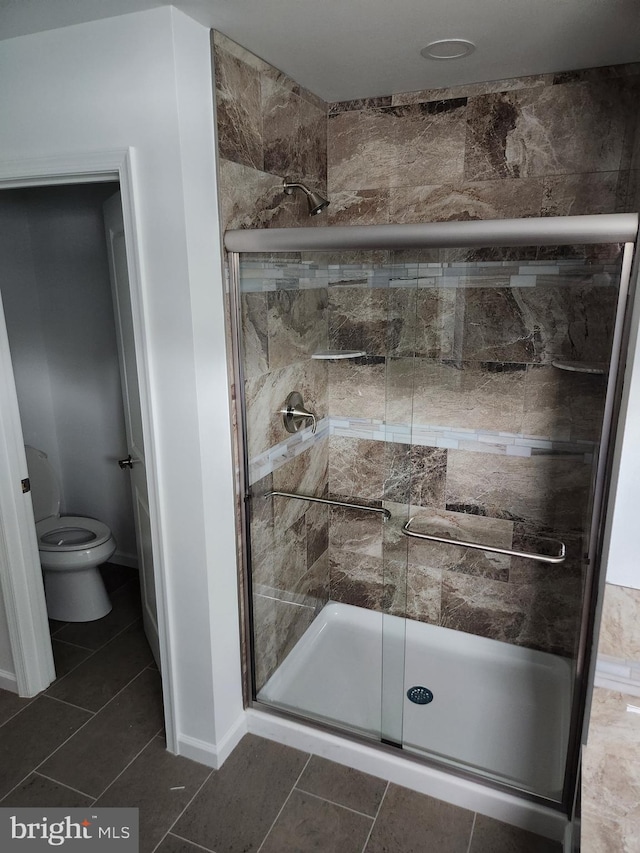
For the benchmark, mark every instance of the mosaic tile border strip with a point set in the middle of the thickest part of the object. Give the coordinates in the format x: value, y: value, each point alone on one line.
x: 262, y: 276
x: 278, y: 455
x: 618, y: 674
x: 455, y: 438
x: 425, y: 435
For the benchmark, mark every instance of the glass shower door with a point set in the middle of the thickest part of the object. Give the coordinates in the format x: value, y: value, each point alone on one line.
x: 506, y: 391
x: 316, y: 517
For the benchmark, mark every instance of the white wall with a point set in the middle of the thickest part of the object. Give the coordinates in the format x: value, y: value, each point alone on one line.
x: 19, y: 289
x: 144, y: 80
x: 621, y: 548
x: 62, y: 337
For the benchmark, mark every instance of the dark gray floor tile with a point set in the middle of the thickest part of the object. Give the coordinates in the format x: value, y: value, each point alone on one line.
x: 93, y: 635
x: 67, y: 657
x: 342, y: 785
x: 493, y: 836
x: 37, y: 791
x: 10, y: 704
x: 92, y: 684
x: 55, y: 626
x: 116, y: 576
x: 91, y: 761
x: 173, y: 844
x: 160, y: 785
x: 237, y: 805
x: 32, y: 735
x: 409, y: 822
x: 310, y: 825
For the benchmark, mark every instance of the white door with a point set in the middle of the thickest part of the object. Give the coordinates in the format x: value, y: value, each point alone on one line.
x: 21, y: 587
x: 134, y: 466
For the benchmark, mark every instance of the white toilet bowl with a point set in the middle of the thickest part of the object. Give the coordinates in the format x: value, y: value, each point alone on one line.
x: 71, y: 548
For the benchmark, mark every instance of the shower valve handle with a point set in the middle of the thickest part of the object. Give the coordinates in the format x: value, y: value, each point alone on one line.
x: 304, y: 414
x: 295, y: 415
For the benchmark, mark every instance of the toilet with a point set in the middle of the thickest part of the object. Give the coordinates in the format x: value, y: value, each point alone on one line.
x: 71, y: 549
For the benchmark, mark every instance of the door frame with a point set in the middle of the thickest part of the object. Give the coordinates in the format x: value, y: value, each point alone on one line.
x: 20, y: 572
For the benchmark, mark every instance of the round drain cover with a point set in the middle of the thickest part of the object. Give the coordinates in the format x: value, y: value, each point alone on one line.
x: 420, y: 695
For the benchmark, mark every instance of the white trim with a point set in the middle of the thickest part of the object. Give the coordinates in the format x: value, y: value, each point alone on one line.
x: 32, y: 672
x: 208, y: 753
x: 618, y: 548
x: 415, y: 775
x: 140, y: 311
x: 122, y: 559
x: 197, y: 750
x: 81, y: 168
x: 8, y: 681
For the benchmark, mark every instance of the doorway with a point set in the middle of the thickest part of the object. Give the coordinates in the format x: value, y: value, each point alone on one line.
x: 67, y: 365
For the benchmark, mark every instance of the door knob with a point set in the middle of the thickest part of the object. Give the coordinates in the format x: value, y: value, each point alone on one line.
x: 126, y: 463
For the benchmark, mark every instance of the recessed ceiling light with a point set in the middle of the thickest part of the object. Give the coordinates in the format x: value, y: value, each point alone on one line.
x: 448, y: 49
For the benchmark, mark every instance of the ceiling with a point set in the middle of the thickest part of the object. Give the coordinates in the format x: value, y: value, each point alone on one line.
x: 344, y: 49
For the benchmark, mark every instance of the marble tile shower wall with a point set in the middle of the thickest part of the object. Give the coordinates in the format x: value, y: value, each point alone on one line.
x: 268, y: 127
x: 548, y: 145
x: 511, y: 464
x: 539, y: 146
x: 610, y: 774
x: 633, y: 188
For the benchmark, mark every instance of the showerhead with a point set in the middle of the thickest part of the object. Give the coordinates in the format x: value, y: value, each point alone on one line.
x: 315, y: 200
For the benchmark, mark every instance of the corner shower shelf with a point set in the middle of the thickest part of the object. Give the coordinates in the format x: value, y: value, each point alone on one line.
x: 334, y: 354
x: 581, y: 367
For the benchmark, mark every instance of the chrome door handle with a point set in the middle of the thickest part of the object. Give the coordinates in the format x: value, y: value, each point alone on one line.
x: 126, y: 463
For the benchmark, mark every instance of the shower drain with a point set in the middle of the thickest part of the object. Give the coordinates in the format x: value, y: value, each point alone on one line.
x: 420, y: 695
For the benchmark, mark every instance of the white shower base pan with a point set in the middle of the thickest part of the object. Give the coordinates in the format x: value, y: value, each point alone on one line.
x: 497, y: 708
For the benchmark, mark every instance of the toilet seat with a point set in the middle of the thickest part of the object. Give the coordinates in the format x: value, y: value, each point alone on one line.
x: 70, y: 547
x: 70, y: 533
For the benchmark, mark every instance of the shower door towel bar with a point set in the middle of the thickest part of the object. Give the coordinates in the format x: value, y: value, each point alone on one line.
x: 378, y: 509
x: 541, y: 558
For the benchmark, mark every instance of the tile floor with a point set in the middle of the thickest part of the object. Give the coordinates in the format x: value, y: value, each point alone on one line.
x: 95, y: 737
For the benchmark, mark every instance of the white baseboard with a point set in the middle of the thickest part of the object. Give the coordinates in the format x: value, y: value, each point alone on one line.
x: 213, y: 755
x: 121, y: 559
x: 8, y: 681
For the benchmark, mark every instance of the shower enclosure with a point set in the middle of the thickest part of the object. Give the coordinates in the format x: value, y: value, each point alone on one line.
x: 424, y: 514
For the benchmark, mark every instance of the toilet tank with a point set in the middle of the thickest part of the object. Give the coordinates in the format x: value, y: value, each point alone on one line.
x: 45, y: 491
